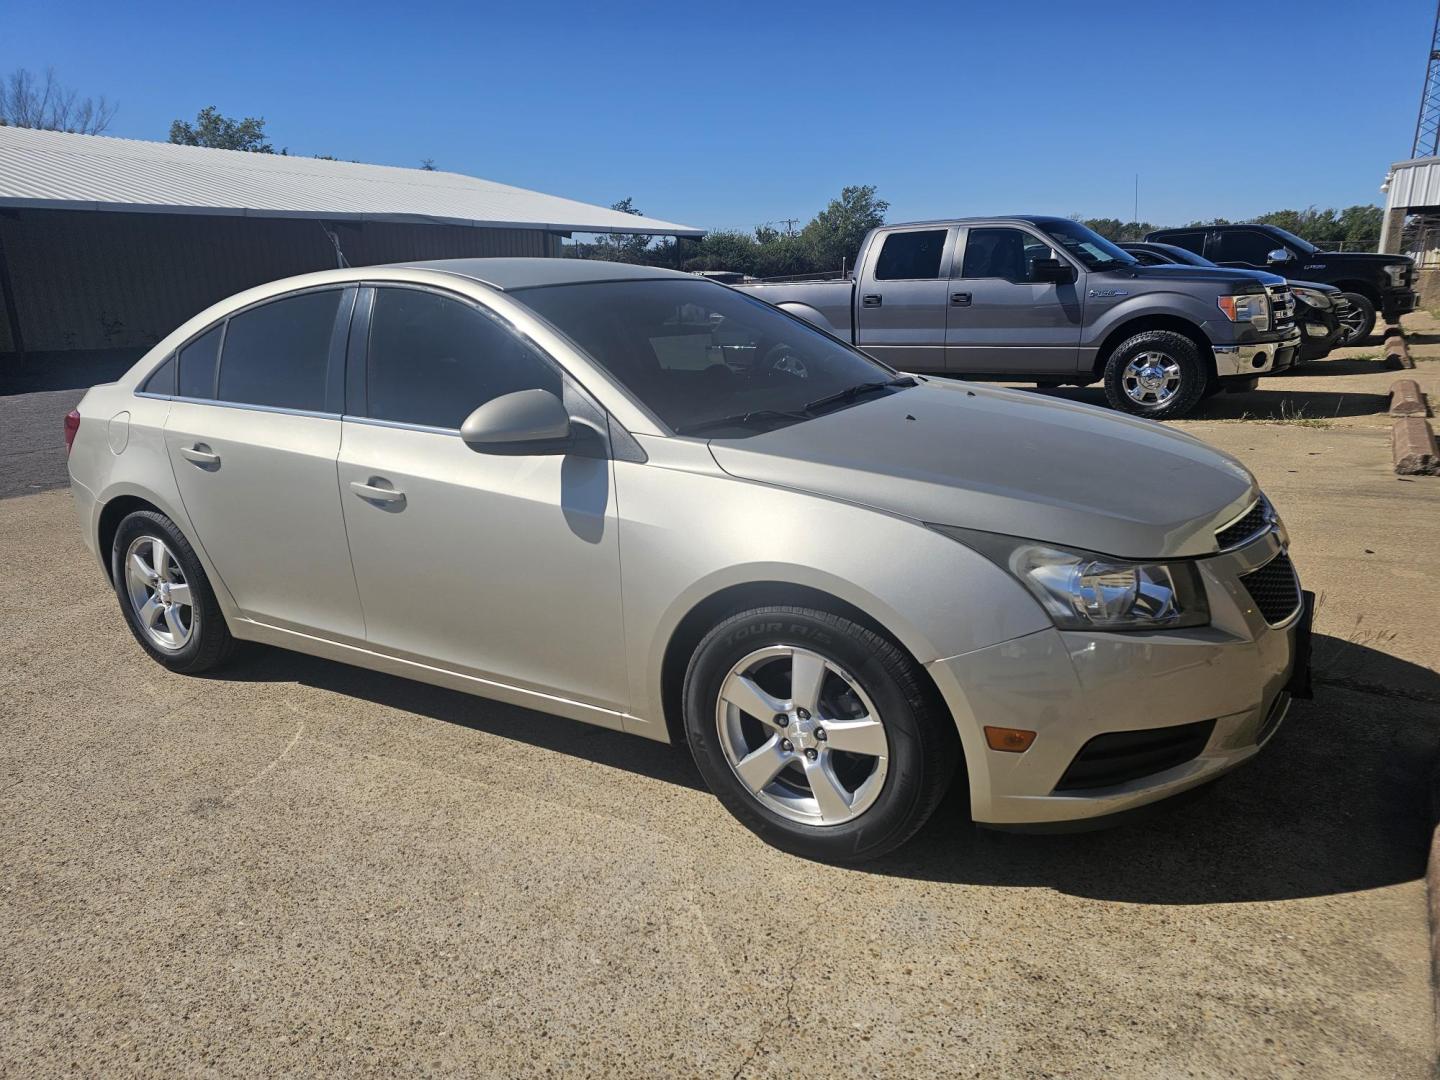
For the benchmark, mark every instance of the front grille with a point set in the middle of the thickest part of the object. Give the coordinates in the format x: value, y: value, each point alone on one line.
x: 1282, y: 304
x: 1113, y: 758
x: 1274, y: 588
x: 1246, y: 527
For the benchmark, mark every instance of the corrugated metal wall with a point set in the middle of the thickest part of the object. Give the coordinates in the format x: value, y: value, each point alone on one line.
x: 97, y: 280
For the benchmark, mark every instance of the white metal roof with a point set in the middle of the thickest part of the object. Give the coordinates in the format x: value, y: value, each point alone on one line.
x: 1413, y: 183
x: 58, y: 171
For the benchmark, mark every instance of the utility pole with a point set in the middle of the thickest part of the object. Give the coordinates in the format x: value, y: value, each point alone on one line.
x: 1136, y: 218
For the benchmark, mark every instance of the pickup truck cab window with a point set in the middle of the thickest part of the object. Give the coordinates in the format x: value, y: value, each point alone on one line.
x: 911, y: 256
x: 1003, y: 253
x: 1250, y: 247
x: 433, y: 359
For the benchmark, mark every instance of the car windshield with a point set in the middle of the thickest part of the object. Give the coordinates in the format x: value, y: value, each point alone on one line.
x: 1085, y: 244
x: 1304, y: 247
x: 707, y: 360
x: 1180, y: 255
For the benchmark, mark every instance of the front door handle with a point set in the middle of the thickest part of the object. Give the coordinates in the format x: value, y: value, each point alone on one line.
x: 870, y: 300
x: 960, y: 299
x: 200, y: 455
x: 386, y: 496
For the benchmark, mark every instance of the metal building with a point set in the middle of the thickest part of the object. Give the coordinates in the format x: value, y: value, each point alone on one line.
x: 1412, y: 221
x: 108, y: 244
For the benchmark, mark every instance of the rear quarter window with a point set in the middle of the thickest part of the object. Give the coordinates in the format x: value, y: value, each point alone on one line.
x: 197, y: 365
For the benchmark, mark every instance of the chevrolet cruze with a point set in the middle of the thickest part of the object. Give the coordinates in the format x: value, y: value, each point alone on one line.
x: 643, y: 500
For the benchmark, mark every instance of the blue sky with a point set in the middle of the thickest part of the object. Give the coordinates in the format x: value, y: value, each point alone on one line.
x: 728, y: 114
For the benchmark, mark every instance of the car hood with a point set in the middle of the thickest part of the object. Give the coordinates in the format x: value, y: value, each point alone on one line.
x: 1222, y: 277
x: 1011, y: 462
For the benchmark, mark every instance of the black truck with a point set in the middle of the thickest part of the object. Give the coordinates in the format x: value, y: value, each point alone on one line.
x: 1369, y: 282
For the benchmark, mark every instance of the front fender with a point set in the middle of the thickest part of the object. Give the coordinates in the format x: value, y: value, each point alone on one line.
x: 1205, y: 316
x: 936, y: 597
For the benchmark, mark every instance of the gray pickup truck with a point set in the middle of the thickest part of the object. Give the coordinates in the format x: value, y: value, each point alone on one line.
x: 1046, y: 300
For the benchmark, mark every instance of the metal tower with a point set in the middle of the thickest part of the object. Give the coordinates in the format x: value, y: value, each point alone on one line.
x: 1427, y: 124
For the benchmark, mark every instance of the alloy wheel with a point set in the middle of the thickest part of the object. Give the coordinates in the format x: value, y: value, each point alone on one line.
x: 1352, y: 323
x: 1151, y: 378
x: 802, y: 736
x: 159, y: 594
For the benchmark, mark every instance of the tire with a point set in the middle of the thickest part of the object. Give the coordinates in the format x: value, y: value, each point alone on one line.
x: 189, y: 644
x: 1359, y: 321
x: 1181, y: 376
x: 867, y: 683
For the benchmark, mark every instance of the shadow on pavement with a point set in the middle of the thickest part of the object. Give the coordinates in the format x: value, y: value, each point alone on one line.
x: 1336, y: 803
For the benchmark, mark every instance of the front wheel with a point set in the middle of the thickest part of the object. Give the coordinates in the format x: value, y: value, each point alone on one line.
x: 818, y: 734
x: 1358, y: 322
x: 1157, y: 374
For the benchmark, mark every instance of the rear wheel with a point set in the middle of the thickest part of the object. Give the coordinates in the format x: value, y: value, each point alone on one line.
x: 1157, y: 374
x: 817, y: 733
x: 165, y: 597
x: 1358, y: 322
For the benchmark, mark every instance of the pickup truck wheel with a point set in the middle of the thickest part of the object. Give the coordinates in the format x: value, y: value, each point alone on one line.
x: 1358, y: 322
x: 1157, y: 374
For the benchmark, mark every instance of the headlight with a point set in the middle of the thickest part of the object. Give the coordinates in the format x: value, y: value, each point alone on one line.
x: 1084, y: 591
x: 1253, y: 308
x: 1315, y: 299
x: 1398, y: 273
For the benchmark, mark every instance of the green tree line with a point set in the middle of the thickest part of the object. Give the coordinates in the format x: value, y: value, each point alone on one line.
x: 1356, y: 227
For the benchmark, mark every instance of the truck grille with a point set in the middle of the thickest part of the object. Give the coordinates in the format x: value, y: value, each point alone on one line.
x: 1113, y: 758
x: 1246, y: 527
x: 1282, y: 305
x: 1274, y: 588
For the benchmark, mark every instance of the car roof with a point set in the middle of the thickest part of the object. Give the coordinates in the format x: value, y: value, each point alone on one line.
x: 508, y: 274
x: 991, y: 219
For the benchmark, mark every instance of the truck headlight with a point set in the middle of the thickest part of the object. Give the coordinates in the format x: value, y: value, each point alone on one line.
x: 1317, y: 300
x: 1253, y: 308
x: 1398, y: 273
x: 1084, y: 591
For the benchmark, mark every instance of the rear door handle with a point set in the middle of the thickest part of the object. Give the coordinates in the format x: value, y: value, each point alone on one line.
x: 960, y: 299
x: 385, y: 495
x: 870, y: 300
x: 200, y: 455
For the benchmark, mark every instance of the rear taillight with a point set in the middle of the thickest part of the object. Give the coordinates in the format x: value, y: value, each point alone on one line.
x: 72, y: 427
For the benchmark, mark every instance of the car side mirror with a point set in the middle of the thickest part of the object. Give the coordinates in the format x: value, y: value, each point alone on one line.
x: 1052, y: 270
x: 1279, y: 255
x: 525, y: 422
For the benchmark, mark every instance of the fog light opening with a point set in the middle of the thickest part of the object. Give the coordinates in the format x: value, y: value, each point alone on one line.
x: 1009, y: 739
x: 1259, y: 360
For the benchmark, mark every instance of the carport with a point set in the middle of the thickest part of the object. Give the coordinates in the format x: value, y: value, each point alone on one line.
x: 107, y: 244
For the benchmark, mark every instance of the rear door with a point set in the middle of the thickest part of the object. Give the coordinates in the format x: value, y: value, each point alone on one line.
x: 1000, y: 319
x: 253, y: 436
x: 901, y: 298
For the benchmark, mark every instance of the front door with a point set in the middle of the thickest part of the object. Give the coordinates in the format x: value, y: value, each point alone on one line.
x: 252, y: 441
x: 502, y: 567
x: 900, y: 315
x: 1000, y: 319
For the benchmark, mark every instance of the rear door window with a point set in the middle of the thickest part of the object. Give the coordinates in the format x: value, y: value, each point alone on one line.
x: 197, y: 365
x: 1190, y: 241
x: 911, y: 256
x: 278, y: 354
x: 434, y: 359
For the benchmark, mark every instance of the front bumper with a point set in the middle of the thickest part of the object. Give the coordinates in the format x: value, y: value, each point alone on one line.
x: 1234, y: 675
x: 1257, y: 357
x: 1397, y: 303
x: 1322, y: 332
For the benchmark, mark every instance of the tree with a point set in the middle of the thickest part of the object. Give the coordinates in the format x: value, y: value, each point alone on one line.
x: 30, y: 102
x: 222, y: 132
x: 427, y: 164
x: 834, y: 234
x: 623, y: 247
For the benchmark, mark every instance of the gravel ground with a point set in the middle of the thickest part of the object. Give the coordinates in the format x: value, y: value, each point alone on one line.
x: 299, y: 867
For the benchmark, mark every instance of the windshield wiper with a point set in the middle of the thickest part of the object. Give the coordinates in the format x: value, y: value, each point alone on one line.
x: 739, y: 420
x: 853, y: 392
